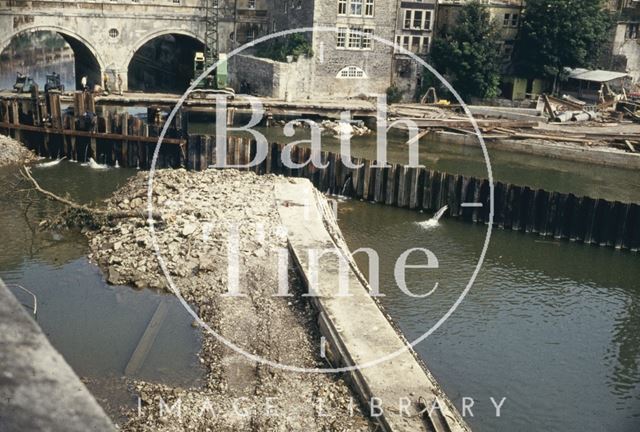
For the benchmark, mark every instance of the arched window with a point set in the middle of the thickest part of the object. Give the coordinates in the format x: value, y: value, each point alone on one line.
x: 351, y: 72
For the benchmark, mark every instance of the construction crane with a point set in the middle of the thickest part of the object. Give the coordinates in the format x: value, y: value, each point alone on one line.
x: 217, y: 81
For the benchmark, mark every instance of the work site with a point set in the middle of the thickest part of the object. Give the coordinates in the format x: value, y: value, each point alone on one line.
x: 327, y: 215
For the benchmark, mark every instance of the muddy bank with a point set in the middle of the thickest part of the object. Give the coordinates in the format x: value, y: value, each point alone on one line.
x: 12, y: 152
x: 205, y: 214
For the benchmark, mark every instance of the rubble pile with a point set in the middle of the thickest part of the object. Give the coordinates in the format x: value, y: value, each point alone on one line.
x: 201, y: 213
x: 13, y: 152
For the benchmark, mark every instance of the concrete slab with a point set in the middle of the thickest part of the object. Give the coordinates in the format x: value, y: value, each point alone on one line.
x: 38, y: 390
x: 356, y: 329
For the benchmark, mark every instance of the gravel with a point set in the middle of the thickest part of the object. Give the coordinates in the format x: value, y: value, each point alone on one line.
x: 197, y: 209
x: 13, y: 152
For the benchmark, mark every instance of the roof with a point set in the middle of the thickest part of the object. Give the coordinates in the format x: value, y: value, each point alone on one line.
x: 600, y: 76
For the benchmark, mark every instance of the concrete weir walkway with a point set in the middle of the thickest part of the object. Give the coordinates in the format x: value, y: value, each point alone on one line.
x: 355, y: 328
x: 38, y: 390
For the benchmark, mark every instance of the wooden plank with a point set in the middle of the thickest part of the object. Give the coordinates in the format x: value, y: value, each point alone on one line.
x: 77, y: 133
x: 148, y: 338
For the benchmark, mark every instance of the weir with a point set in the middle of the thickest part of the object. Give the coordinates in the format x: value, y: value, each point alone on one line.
x: 130, y: 142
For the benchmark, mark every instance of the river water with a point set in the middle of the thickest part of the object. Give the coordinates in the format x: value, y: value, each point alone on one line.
x: 552, y: 326
x: 94, y: 325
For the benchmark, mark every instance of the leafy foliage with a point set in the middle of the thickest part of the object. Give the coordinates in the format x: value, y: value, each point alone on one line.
x: 394, y: 94
x: 470, y: 55
x: 295, y: 45
x: 556, y: 34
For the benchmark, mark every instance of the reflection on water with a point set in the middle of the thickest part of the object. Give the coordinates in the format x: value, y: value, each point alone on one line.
x: 95, y: 326
x: 552, y: 326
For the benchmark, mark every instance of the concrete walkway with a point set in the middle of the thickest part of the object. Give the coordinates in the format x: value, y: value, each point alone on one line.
x: 38, y: 390
x: 355, y: 328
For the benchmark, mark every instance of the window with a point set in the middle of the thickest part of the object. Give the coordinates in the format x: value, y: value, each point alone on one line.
x: 356, y: 7
x: 250, y: 34
x: 354, y: 37
x: 366, y: 38
x: 113, y: 33
x: 351, y: 72
x: 424, y: 46
x: 417, y: 19
x: 407, y: 18
x: 368, y: 8
x: 632, y: 30
x: 510, y: 20
x: 252, y: 4
x: 342, y: 37
x: 342, y: 7
x: 415, y: 44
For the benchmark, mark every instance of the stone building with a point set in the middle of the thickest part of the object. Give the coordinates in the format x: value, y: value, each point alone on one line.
x: 250, y: 20
x: 415, y: 22
x: 624, y: 55
x: 348, y: 61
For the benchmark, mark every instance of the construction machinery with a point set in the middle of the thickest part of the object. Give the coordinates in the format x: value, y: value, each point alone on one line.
x: 53, y: 83
x: 217, y: 81
x: 24, y: 83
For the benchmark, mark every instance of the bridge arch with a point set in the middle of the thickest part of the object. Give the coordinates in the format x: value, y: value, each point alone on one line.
x: 88, y: 61
x: 151, y: 68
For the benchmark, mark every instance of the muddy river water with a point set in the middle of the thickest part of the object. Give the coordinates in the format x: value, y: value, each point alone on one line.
x: 551, y: 326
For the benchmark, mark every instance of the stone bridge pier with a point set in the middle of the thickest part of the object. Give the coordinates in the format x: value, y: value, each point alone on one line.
x: 105, y: 36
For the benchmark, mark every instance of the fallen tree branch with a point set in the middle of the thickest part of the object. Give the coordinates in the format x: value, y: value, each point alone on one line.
x: 26, y: 173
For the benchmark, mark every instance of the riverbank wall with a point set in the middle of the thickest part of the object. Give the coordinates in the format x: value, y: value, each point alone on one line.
x: 39, y: 389
x: 554, y: 150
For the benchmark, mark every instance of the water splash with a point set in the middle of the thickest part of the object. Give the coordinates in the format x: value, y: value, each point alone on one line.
x: 95, y: 165
x: 434, y: 221
x: 52, y: 163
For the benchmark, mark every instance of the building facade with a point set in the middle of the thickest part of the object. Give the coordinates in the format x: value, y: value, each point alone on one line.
x: 347, y: 60
x: 415, y: 24
x: 624, y: 55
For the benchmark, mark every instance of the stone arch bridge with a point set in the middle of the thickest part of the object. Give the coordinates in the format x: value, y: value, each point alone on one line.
x: 106, y: 36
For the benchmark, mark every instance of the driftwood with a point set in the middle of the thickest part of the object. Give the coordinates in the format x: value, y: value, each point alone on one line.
x: 630, y: 146
x: 109, y: 214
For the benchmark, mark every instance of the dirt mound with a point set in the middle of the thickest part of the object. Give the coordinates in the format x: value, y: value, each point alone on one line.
x: 205, y: 215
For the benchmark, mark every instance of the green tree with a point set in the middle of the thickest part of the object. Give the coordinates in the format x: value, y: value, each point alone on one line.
x: 278, y: 49
x: 557, y: 34
x: 470, y: 54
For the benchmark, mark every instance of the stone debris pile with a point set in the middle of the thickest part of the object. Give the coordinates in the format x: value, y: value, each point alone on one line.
x: 205, y: 215
x: 13, y: 152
